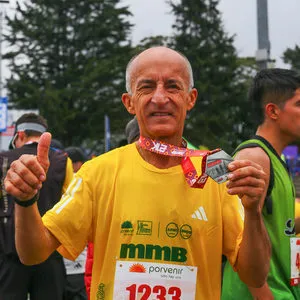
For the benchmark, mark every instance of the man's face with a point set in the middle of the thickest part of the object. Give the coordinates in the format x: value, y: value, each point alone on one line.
x: 289, y: 114
x: 160, y: 94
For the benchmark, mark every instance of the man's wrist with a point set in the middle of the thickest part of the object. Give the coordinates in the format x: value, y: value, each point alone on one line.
x: 27, y: 202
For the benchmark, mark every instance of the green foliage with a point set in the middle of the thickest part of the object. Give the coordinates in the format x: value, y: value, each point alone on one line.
x: 221, y: 117
x: 67, y: 59
x: 152, y: 41
x: 292, y: 57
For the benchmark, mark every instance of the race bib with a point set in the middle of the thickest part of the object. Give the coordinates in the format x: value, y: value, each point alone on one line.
x: 143, y: 281
x: 295, y: 261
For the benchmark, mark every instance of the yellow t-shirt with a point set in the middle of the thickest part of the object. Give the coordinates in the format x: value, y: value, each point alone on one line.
x: 133, y: 211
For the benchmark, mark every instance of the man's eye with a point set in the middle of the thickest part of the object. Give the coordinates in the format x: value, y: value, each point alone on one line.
x: 144, y: 87
x: 173, y: 86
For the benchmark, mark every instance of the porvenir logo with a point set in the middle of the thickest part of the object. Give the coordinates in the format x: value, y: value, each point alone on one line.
x: 127, y: 228
x: 137, y: 268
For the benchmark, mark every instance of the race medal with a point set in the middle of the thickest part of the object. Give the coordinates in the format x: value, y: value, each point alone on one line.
x: 295, y: 261
x: 136, y: 280
x: 214, y: 163
x: 216, y: 166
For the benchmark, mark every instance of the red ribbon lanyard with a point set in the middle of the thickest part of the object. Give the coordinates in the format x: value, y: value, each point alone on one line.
x: 187, y: 165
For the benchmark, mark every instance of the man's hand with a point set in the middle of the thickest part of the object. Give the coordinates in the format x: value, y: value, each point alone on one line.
x: 247, y: 180
x: 26, y: 175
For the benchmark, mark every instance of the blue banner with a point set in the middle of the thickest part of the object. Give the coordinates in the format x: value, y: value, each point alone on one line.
x: 3, y: 114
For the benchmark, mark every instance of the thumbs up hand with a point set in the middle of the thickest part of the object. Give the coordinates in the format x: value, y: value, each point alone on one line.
x: 26, y: 175
x: 43, y: 150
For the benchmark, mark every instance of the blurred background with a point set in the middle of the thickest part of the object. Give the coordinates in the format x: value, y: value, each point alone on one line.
x: 66, y: 60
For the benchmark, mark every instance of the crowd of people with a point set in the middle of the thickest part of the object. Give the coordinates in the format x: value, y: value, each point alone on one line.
x: 45, y: 280
x: 143, y: 220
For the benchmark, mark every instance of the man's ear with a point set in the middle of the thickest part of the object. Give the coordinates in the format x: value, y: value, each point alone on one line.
x: 192, y: 99
x: 127, y: 101
x: 20, y: 139
x: 272, y: 111
x: 21, y: 135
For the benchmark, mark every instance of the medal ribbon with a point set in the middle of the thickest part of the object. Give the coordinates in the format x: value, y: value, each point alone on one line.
x: 187, y: 165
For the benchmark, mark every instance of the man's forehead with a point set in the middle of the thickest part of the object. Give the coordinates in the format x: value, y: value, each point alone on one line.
x: 159, y: 64
x: 159, y: 52
x: 158, y: 56
x: 159, y: 70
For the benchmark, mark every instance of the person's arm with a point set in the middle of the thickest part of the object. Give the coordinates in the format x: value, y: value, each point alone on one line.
x: 262, y: 293
x: 259, y: 156
x: 34, y: 243
x: 249, y: 181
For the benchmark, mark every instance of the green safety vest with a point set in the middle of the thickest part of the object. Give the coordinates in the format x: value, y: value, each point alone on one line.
x: 278, y: 214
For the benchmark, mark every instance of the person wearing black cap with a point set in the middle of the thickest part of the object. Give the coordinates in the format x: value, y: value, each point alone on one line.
x: 77, y: 156
x: 47, y: 280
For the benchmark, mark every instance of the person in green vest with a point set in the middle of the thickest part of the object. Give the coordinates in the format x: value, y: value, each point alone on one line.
x: 275, y: 95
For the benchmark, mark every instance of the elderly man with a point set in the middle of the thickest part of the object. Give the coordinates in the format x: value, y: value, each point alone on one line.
x: 153, y: 234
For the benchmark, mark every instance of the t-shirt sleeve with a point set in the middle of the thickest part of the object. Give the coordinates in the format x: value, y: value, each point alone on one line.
x: 70, y: 219
x: 233, y: 224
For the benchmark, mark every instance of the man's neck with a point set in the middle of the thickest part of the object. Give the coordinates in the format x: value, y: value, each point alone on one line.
x: 274, y: 137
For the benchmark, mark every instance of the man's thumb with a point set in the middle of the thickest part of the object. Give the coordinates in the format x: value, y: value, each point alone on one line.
x: 43, y: 150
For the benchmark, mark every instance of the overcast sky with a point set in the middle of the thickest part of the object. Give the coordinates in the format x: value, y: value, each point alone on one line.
x: 152, y: 17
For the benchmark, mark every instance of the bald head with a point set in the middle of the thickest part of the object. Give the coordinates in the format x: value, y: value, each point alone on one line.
x: 157, y: 54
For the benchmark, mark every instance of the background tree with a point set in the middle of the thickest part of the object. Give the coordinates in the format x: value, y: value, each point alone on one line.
x: 292, y: 57
x: 67, y: 59
x: 152, y: 41
x: 222, y: 115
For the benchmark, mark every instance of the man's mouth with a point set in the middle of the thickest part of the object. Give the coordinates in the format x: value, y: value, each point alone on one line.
x: 161, y: 114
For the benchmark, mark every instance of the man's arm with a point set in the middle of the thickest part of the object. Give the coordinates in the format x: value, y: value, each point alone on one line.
x: 34, y: 242
x: 249, y: 181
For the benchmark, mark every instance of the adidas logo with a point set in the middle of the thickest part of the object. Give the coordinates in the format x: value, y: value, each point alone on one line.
x: 200, y: 214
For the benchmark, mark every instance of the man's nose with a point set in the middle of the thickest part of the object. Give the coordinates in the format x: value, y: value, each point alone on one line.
x: 159, y: 95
